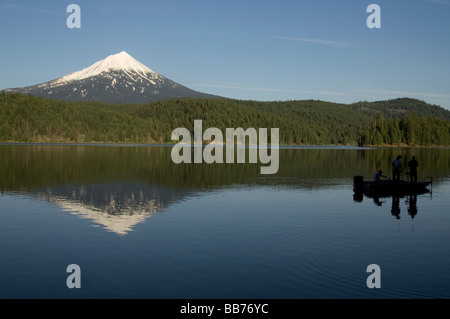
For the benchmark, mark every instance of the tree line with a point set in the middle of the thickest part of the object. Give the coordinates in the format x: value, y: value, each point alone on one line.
x: 25, y: 118
x: 411, y: 130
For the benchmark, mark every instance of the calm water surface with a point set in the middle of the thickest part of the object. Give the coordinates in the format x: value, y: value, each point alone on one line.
x: 140, y: 226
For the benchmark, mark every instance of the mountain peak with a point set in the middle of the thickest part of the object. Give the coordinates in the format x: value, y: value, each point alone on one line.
x: 120, y: 61
x: 118, y: 78
x: 124, y: 61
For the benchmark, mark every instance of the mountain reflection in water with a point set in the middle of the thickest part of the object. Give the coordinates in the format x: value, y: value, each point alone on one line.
x: 118, y: 187
x: 116, y: 207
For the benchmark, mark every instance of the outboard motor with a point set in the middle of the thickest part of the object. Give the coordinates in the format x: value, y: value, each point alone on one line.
x: 358, y: 181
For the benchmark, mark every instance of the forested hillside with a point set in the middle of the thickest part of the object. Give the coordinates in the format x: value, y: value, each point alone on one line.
x: 408, y: 130
x: 398, y: 107
x: 34, y: 119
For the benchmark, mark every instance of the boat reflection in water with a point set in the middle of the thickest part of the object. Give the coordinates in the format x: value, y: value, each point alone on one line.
x: 382, y: 190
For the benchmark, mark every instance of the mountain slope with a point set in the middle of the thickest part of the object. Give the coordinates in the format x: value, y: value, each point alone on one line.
x: 119, y: 78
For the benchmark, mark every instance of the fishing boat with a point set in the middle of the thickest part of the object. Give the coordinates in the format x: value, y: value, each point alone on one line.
x: 390, y: 187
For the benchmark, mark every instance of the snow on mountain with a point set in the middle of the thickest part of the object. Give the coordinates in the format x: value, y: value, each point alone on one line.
x: 120, y: 61
x: 119, y: 78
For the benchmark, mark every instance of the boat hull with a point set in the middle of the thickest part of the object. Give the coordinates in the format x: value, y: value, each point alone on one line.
x: 390, y: 187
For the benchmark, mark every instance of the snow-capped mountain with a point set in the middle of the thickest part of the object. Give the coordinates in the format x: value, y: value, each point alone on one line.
x: 119, y: 78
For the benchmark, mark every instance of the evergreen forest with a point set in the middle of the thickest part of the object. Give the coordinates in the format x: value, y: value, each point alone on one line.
x: 399, y: 122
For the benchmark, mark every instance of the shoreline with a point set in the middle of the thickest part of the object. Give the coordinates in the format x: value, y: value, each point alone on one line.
x: 283, y: 146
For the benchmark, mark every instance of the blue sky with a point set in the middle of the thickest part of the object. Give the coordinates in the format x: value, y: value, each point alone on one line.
x: 259, y: 50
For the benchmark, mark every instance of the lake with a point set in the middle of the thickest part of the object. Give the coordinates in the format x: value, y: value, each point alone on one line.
x: 140, y: 226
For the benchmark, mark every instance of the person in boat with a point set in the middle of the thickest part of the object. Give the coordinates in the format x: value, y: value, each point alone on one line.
x: 396, y: 166
x: 378, y: 175
x: 413, y: 164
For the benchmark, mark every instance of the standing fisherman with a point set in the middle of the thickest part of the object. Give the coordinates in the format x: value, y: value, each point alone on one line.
x: 396, y: 165
x: 413, y: 164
